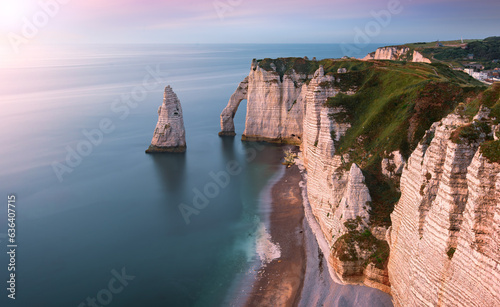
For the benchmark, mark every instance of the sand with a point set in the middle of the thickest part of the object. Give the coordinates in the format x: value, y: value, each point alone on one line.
x: 279, y: 283
x: 300, y: 275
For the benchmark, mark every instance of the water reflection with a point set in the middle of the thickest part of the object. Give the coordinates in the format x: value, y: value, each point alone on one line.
x: 227, y: 146
x: 171, y: 167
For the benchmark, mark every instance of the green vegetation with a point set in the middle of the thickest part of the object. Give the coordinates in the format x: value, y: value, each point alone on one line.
x: 487, y: 49
x: 457, y: 42
x: 490, y: 99
x: 333, y: 135
x: 451, y: 252
x: 396, y: 102
x: 384, y: 193
x: 345, y: 246
x: 471, y: 133
x: 454, y: 52
x: 491, y: 151
x: 285, y: 66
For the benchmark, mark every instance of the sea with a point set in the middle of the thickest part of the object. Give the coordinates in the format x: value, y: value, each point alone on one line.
x: 98, y: 221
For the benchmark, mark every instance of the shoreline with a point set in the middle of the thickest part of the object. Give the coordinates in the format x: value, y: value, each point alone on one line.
x: 280, y: 282
x: 301, y: 276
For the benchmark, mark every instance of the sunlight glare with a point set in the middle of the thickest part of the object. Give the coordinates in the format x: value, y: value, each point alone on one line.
x: 11, y: 12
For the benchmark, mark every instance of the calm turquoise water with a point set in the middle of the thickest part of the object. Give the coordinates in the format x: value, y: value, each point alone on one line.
x: 118, y: 207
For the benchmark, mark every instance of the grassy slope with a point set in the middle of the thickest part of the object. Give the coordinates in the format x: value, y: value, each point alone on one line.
x: 308, y: 67
x: 484, y: 51
x: 452, y: 43
x: 395, y: 104
x: 491, y: 99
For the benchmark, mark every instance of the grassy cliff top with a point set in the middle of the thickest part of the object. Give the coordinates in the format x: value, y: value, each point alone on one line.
x: 305, y: 66
x: 396, y: 102
x: 483, y: 51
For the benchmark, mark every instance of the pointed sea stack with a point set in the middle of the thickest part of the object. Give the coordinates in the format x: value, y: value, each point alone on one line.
x: 169, y: 135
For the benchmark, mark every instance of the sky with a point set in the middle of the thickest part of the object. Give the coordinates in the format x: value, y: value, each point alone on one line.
x: 32, y: 22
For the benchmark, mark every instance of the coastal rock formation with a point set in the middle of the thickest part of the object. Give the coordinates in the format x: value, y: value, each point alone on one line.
x: 446, y: 227
x: 169, y: 135
x: 290, y: 108
x: 335, y: 194
x: 227, y: 115
x: 445, y: 235
x: 275, y: 106
x: 418, y: 57
x: 397, y: 53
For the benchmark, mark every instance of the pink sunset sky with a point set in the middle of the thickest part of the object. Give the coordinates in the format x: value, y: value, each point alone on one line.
x: 245, y: 21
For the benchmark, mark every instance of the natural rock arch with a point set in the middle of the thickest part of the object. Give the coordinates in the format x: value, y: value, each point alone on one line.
x: 227, y: 115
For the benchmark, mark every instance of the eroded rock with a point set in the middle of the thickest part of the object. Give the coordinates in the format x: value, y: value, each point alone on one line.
x: 169, y: 134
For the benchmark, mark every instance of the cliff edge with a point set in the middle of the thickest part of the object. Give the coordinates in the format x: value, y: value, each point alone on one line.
x: 397, y: 53
x: 420, y: 228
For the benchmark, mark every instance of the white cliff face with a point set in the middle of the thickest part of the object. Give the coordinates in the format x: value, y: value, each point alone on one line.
x: 356, y: 199
x: 290, y: 110
x: 169, y: 135
x: 395, y: 54
x: 390, y: 53
x: 418, y: 57
x: 275, y: 106
x: 445, y: 234
x: 335, y: 194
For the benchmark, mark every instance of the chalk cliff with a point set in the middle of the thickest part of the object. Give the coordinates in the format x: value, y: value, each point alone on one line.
x: 277, y: 112
x: 445, y: 234
x: 275, y: 106
x: 397, y: 53
x: 169, y: 134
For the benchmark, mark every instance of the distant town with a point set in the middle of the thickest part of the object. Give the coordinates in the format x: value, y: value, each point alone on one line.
x: 480, y: 58
x: 478, y: 72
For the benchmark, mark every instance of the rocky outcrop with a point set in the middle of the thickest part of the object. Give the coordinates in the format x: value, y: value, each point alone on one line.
x: 290, y: 108
x: 169, y: 135
x: 227, y: 115
x: 392, y: 165
x: 445, y: 233
x: 418, y: 57
x: 397, y: 53
x: 336, y: 194
x: 275, y: 106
